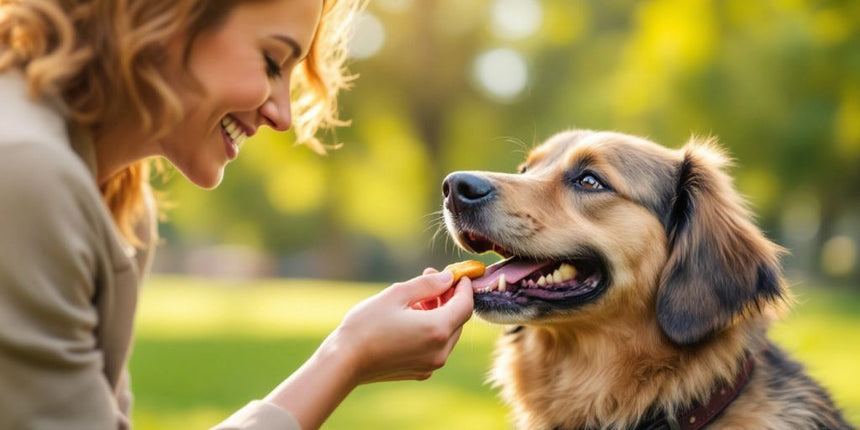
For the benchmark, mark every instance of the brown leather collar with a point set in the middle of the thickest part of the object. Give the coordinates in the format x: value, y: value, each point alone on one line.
x: 699, y: 415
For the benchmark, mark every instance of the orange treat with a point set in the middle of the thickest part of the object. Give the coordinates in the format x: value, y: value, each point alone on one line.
x: 470, y: 268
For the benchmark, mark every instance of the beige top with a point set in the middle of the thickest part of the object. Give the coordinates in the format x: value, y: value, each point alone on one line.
x: 68, y: 281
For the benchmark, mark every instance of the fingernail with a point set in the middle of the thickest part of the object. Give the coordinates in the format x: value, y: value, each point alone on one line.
x: 445, y: 276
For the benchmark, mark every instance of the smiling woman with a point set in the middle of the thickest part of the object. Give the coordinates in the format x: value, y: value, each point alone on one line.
x: 128, y: 88
x: 236, y: 79
x: 112, y: 83
x: 100, y: 87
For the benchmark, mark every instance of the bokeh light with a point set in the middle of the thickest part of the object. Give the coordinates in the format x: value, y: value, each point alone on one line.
x: 501, y: 72
x: 369, y: 36
x: 514, y: 19
x: 839, y: 256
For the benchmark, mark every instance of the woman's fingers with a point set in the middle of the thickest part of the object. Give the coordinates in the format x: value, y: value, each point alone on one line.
x: 429, y: 315
x: 464, y: 303
x: 459, y: 306
x: 447, y: 295
x: 433, y: 303
x: 423, y: 288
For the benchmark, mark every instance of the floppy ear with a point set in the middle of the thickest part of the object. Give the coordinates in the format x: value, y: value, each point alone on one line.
x: 720, y: 264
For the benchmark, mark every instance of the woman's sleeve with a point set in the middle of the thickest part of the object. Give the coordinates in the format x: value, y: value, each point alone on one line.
x: 51, y: 369
x: 259, y: 415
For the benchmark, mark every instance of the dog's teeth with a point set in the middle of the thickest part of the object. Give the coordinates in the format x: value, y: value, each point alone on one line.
x: 550, y: 279
x: 502, y: 284
x: 542, y: 281
x: 567, y: 271
x: 557, y: 276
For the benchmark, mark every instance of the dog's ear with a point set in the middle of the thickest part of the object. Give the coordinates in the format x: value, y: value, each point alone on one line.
x: 720, y: 264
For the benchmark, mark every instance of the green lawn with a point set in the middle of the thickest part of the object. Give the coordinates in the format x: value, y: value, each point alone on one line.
x: 203, y: 349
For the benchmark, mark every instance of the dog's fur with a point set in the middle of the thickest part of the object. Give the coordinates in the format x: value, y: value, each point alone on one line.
x: 690, y: 287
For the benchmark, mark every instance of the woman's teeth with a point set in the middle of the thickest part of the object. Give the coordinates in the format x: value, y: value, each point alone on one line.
x: 236, y: 133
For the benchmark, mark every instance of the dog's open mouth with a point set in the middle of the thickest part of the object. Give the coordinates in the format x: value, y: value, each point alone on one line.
x: 519, y: 280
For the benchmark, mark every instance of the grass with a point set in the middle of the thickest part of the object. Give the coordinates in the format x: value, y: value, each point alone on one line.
x: 203, y: 349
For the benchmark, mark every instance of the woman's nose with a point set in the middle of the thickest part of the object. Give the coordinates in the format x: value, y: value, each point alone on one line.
x: 275, y: 112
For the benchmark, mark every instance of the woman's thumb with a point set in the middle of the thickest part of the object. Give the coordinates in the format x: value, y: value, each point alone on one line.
x: 425, y: 287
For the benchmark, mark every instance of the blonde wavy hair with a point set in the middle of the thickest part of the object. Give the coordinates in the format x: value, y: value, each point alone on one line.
x: 102, y: 58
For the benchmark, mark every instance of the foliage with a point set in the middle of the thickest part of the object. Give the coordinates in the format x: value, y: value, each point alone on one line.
x: 776, y: 81
x: 203, y: 351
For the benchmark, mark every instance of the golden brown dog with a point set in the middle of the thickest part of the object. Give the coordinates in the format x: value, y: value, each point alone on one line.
x: 637, y: 288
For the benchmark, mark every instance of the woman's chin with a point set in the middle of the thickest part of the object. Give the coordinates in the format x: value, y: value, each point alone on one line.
x: 207, y: 179
x: 212, y: 182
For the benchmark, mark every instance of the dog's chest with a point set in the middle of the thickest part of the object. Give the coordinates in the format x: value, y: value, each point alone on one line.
x: 550, y: 388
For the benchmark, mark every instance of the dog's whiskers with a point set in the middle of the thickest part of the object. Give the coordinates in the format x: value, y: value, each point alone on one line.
x: 440, y: 227
x: 439, y: 213
x: 438, y: 223
x: 523, y: 147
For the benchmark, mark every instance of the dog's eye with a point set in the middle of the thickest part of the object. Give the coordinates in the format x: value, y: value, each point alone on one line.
x: 589, y: 182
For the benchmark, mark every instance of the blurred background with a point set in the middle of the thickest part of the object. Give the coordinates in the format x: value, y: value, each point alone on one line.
x: 447, y: 85
x: 472, y: 85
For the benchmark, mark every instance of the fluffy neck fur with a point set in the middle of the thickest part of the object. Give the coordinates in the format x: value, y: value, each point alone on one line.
x: 597, y: 375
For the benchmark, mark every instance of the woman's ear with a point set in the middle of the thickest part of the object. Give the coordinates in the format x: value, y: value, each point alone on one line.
x: 720, y: 264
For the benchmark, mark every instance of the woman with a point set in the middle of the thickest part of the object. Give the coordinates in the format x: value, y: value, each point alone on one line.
x: 90, y: 90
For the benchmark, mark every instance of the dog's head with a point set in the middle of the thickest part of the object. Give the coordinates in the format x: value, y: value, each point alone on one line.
x: 600, y: 223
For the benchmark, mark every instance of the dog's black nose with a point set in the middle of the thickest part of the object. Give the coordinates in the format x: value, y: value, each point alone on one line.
x: 465, y: 189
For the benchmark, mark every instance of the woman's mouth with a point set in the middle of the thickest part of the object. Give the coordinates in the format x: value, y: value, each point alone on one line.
x: 234, y: 135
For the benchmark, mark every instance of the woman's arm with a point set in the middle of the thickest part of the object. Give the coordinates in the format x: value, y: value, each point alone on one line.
x: 317, y: 388
x: 383, y: 338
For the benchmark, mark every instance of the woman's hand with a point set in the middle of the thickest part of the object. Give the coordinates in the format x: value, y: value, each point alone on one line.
x: 406, y: 331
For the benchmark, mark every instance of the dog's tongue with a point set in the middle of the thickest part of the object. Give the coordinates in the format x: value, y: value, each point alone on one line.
x: 514, y: 270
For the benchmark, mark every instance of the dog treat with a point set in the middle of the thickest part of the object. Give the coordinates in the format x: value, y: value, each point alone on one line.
x: 470, y: 268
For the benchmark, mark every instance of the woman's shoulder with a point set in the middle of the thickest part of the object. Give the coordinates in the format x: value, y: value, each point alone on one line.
x: 44, y: 171
x: 28, y: 118
x: 49, y: 201
x: 36, y: 156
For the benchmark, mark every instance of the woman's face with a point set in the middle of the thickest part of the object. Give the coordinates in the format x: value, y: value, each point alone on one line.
x: 242, y: 69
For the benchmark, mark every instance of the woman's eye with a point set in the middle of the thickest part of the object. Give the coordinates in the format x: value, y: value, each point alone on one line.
x: 589, y: 182
x: 273, y: 69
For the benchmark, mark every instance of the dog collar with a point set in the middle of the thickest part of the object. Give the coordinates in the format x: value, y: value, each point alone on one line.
x: 698, y: 414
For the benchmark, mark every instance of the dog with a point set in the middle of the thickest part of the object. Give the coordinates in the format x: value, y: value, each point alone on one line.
x: 636, y: 288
